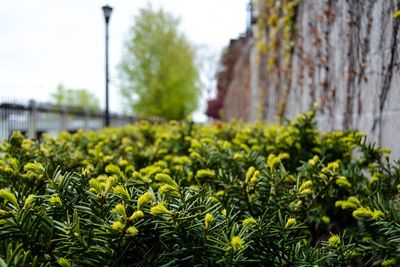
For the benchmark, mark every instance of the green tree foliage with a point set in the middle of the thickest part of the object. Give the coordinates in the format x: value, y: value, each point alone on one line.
x: 158, y: 71
x: 74, y: 98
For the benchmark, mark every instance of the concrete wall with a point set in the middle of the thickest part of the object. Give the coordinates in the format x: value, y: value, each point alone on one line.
x: 347, y: 59
x: 238, y: 102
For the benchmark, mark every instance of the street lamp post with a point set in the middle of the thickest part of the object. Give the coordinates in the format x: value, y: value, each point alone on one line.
x: 252, y: 17
x: 107, y: 14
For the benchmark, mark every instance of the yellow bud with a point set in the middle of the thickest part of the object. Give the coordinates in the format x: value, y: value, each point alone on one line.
x: 29, y: 200
x: 139, y: 177
x: 313, y: 161
x: 377, y: 214
x: 132, y: 231
x: 212, y: 199
x: 253, y: 180
x: 55, y: 200
x: 159, y: 209
x: 334, y: 241
x: 10, y: 197
x: 166, y: 179
x: 109, y: 183
x: 249, y: 173
x: 366, y: 213
x: 305, y: 188
x: 334, y: 166
x: 236, y: 243
x: 223, y: 212
x: 63, y: 262
x: 290, y: 222
x: 238, y: 156
x: 326, y: 219
x: 209, y: 218
x: 166, y: 188
x: 389, y: 262
x: 220, y: 193
x: 343, y: 182
x: 35, y: 167
x: 205, y: 173
x: 136, y: 215
x: 249, y: 222
x: 143, y: 199
x: 4, y: 213
x: 121, y: 191
x: 272, y: 161
x: 306, y: 191
x: 123, y: 163
x: 120, y: 208
x: 117, y: 226
x: 305, y: 184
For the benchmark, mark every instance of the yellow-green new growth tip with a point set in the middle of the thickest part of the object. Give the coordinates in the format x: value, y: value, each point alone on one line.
x: 117, y: 226
x: 10, y: 197
x: 290, y: 222
x: 205, y: 173
x: 208, y: 218
x: 367, y: 213
x: 159, y: 209
x: 249, y: 222
x: 305, y: 188
x: 343, y: 182
x: 120, y: 208
x: 136, y: 215
x: 132, y: 231
x: 29, y: 200
x: 139, y: 177
x: 249, y: 173
x: 334, y: 241
x: 326, y: 219
x: 351, y: 203
x: 143, y: 199
x: 55, y: 200
x: 391, y: 261
x: 237, y: 243
x: 34, y: 167
x: 64, y: 262
x: 120, y: 190
x: 166, y: 179
x: 166, y: 188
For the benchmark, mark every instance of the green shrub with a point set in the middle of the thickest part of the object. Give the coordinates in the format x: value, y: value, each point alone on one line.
x: 181, y: 194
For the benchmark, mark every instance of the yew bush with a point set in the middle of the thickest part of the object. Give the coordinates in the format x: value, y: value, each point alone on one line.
x: 182, y: 194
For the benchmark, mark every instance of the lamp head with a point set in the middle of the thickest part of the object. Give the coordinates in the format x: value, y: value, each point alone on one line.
x: 107, y: 12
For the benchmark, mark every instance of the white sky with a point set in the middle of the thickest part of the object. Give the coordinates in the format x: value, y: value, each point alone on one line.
x: 47, y: 42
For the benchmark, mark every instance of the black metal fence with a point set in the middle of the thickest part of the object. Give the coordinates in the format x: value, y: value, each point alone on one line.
x: 34, y: 118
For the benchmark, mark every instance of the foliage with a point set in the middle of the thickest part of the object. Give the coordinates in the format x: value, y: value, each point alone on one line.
x: 181, y: 194
x: 396, y: 14
x: 75, y: 98
x: 158, y: 71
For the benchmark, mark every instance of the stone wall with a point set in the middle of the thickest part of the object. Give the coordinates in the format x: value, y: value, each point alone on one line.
x: 234, y: 99
x: 347, y: 59
x: 238, y: 102
x: 343, y: 55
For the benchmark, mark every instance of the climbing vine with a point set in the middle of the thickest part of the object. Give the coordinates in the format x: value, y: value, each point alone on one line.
x: 275, y: 39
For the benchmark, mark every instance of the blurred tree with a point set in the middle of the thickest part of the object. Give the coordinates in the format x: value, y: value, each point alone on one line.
x: 75, y: 97
x: 159, y: 76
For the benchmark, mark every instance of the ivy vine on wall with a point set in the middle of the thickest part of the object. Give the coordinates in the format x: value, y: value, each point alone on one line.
x: 274, y: 36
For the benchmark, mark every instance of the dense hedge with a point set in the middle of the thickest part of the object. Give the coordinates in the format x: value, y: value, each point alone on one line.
x: 181, y: 194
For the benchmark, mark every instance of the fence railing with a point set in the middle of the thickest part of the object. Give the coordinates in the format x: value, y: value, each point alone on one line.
x: 34, y: 118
